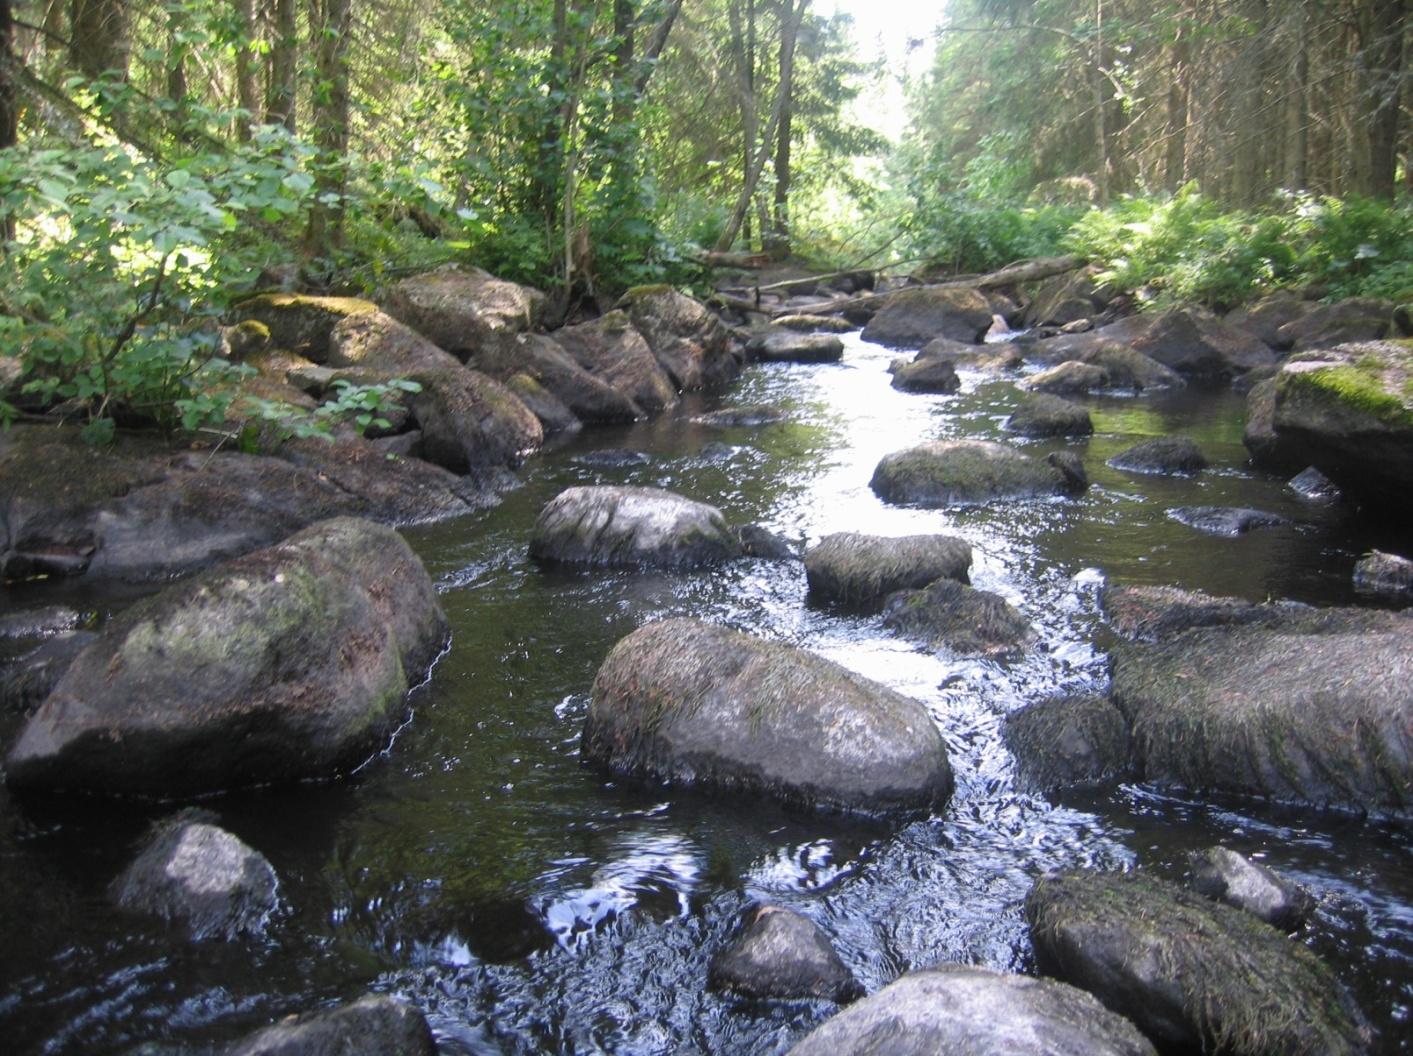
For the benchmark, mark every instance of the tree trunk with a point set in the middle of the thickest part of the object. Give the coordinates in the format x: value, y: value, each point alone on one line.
x: 624, y: 18
x: 330, y: 21
x: 1381, y: 76
x: 284, y: 52
x: 1175, y: 153
x: 176, y: 54
x: 743, y: 54
x: 1297, y: 134
x: 780, y: 232
x: 98, y: 37
x: 247, y: 97
x: 1103, y: 93
x: 9, y: 103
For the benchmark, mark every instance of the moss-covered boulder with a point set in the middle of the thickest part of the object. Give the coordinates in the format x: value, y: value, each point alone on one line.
x: 298, y: 322
x: 1079, y: 741
x: 289, y: 663
x: 1166, y: 456
x: 911, y: 318
x: 1311, y: 707
x: 690, y: 342
x: 1337, y: 323
x: 965, y: 473
x: 1220, y: 873
x: 927, y: 375
x: 1193, y: 975
x: 781, y: 954
x: 1040, y: 415
x: 458, y: 307
x: 693, y: 703
x: 631, y: 527
x: 1070, y: 378
x: 788, y: 346
x: 860, y: 571
x: 1349, y: 413
x: 1153, y: 613
x: 1196, y: 344
x: 613, y: 351
x: 960, y: 1010
x: 959, y: 618
x: 375, y: 1025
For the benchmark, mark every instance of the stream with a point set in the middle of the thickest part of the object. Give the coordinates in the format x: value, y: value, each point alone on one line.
x: 528, y: 904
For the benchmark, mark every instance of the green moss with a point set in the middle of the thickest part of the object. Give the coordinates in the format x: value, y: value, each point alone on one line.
x: 1357, y: 387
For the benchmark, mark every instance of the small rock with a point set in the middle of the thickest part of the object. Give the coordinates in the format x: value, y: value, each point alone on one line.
x: 764, y: 544
x: 376, y: 1025
x: 1074, y: 479
x: 1078, y: 326
x: 1070, y: 378
x: 202, y: 877
x: 613, y: 458
x: 1311, y: 484
x: 748, y: 416
x: 825, y: 324
x: 39, y: 623
x: 1384, y: 575
x: 1069, y: 742
x: 953, y: 616
x: 928, y: 375
x: 1224, y: 875
x: 625, y: 526
x: 781, y: 954
x: 1043, y: 415
x: 792, y: 347
x: 1225, y: 520
x: 1165, y: 456
x: 862, y: 570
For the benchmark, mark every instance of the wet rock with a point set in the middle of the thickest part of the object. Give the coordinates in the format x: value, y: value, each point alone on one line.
x: 551, y: 411
x: 996, y: 356
x: 1264, y: 319
x: 791, y: 347
x: 1191, y: 974
x: 965, y: 1011
x: 1242, y: 384
x: 300, y: 323
x: 457, y: 307
x: 614, y: 458
x: 764, y: 544
x: 1328, y: 325
x: 815, y: 324
x: 1308, y: 707
x: 748, y: 416
x: 928, y: 375
x: 953, y: 616
x: 1194, y: 343
x: 1070, y: 378
x: 1041, y: 415
x: 1349, y: 413
x: 1131, y: 369
x: 964, y: 473
x: 592, y: 399
x: 613, y: 351
x: 1078, y: 326
x: 912, y: 317
x: 199, y: 876
x: 1225, y: 520
x: 1165, y: 456
x: 25, y: 682
x: 780, y: 954
x: 1079, y: 741
x: 1156, y: 613
x: 860, y: 571
x: 1311, y: 484
x: 692, y: 703
x: 632, y: 527
x: 1074, y: 478
x: 292, y: 662
x: 1259, y: 434
x: 690, y: 343
x: 1384, y: 575
x: 403, y: 445
x: 1225, y: 876
x: 39, y: 623
x: 376, y: 1025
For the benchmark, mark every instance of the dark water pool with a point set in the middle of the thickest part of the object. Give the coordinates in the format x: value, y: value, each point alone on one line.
x: 528, y: 904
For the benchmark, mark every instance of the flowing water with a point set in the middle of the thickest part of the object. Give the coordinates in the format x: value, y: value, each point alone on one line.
x: 528, y: 904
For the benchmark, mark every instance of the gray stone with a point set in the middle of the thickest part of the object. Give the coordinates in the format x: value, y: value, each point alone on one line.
x: 1070, y: 378
x: 927, y: 375
x: 791, y: 347
x: 747, y: 416
x: 965, y: 473
x: 458, y: 307
x: 632, y: 527
x: 1328, y: 325
x: 592, y: 399
x: 956, y: 617
x: 991, y: 357
x: 780, y: 954
x: 1265, y: 318
x: 612, y: 350
x: 1225, y: 520
x: 1311, y: 484
x: 761, y: 543
x: 1040, y: 415
x: 812, y: 324
x: 690, y: 342
x: 1165, y: 456
x: 860, y: 570
x: 39, y: 623
x: 911, y: 318
x: 1069, y: 742
x: 1155, y: 613
x: 1384, y: 575
x: 25, y: 682
x: 1194, y: 343
x: 376, y: 1025
x: 1222, y: 874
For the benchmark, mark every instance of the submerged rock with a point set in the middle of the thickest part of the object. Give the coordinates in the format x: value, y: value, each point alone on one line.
x: 24, y: 683
x: 1224, y: 875
x: 1165, y: 456
x: 693, y: 703
x: 1042, y: 415
x: 1311, y: 484
x: 780, y: 954
x: 953, y: 616
x: 1384, y: 575
x: 376, y: 1025
x: 1070, y: 378
x: 964, y: 1011
x: 607, y: 525
x: 614, y: 458
x: 201, y: 877
x: 1069, y: 742
x: 292, y: 662
x: 748, y: 416
x: 764, y: 544
x: 1191, y: 974
x: 862, y: 570
x: 791, y: 347
x: 911, y: 318
x: 1225, y: 520
x: 964, y: 473
x: 927, y: 375
x: 39, y: 623
x: 459, y: 307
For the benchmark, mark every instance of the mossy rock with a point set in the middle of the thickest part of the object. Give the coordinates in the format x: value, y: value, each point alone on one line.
x: 1152, y: 613
x: 1165, y: 456
x: 693, y: 703
x: 1040, y: 415
x: 298, y: 322
x: 1193, y: 975
x: 956, y: 617
x: 965, y: 473
x: 458, y: 307
x: 860, y: 571
x: 1079, y: 741
x: 927, y: 376
x: 633, y: 528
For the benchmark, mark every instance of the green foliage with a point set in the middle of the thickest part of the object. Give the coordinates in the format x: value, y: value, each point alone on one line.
x: 962, y: 234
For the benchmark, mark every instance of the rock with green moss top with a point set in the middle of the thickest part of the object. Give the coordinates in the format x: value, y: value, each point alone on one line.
x: 690, y: 343
x: 966, y: 473
x: 1308, y: 706
x: 611, y: 349
x: 1079, y: 741
x: 292, y: 662
x: 457, y: 307
x: 860, y: 571
x: 960, y: 619
x: 1193, y: 975
x: 911, y: 318
x: 1040, y: 414
x: 961, y: 1010
x: 298, y: 322
x: 631, y: 527
x: 1349, y: 412
x: 927, y: 376
x: 689, y: 702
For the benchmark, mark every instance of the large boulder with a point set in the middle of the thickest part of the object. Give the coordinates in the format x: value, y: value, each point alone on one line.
x: 1195, y: 343
x: 1041, y: 415
x: 1070, y: 378
x: 860, y: 570
x: 1126, y: 367
x: 614, y: 352
x: 788, y: 346
x: 1152, y: 613
x: 1193, y: 975
x: 139, y: 510
x: 1259, y: 435
x: 927, y: 375
x: 911, y: 318
x: 1264, y: 319
x: 592, y: 399
x: 633, y: 527
x: 375, y: 1025
x: 1165, y: 456
x: 992, y: 357
x: 1222, y: 874
x: 192, y: 873
x: 965, y: 473
x: 300, y: 323
x: 780, y: 954
x: 960, y: 1010
x: 690, y: 343
x: 1339, y: 323
x: 1061, y: 300
x: 1068, y: 742
x: 1307, y: 706
x: 289, y: 663
x: 459, y: 307
x: 693, y: 703
x: 1349, y: 413
x: 957, y: 617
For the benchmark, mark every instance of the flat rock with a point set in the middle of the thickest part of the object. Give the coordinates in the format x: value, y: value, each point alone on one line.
x: 1078, y: 741
x: 1040, y: 415
x: 1165, y: 456
x: 1193, y: 975
x: 376, y: 1025
x: 631, y: 527
x: 1221, y: 874
x: 780, y: 954
x: 860, y: 571
x: 791, y: 347
x: 964, y: 1011
x: 910, y: 318
x: 1225, y: 520
x: 956, y: 617
x: 458, y: 307
x: 1152, y: 613
x: 965, y: 473
x: 692, y: 703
